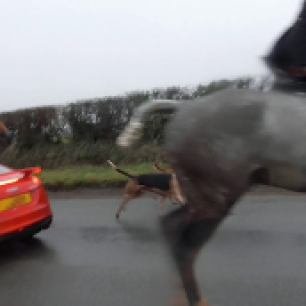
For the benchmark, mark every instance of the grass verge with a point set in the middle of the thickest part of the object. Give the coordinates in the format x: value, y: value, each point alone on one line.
x: 90, y: 176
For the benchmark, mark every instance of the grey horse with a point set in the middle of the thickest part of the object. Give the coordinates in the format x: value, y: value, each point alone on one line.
x: 220, y: 146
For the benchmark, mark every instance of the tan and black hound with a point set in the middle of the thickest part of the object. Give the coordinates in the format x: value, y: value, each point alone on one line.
x: 163, y: 184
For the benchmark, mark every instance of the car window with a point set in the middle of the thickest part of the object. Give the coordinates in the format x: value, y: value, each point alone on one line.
x: 4, y: 169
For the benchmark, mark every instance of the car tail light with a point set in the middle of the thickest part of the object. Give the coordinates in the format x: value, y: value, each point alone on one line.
x: 20, y: 175
x: 35, y: 180
x: 31, y: 171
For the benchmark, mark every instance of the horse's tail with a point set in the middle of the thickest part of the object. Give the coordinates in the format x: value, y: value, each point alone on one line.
x: 132, y: 131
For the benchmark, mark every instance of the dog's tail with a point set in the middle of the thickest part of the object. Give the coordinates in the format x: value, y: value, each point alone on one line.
x: 120, y: 170
x: 132, y: 131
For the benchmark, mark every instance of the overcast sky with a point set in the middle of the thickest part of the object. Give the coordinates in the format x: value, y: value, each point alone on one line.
x: 57, y: 51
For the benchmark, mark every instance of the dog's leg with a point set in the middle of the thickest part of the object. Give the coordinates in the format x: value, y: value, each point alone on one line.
x: 126, y: 199
x: 131, y: 191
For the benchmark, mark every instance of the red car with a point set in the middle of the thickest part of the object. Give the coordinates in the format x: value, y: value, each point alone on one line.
x: 24, y: 204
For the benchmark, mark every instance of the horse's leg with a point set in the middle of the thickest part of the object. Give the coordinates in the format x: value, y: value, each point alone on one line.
x: 211, y: 191
x: 186, y: 235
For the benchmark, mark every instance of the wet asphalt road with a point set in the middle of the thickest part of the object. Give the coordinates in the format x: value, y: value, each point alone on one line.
x: 258, y: 257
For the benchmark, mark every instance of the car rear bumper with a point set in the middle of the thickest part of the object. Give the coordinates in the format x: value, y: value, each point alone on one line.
x: 28, y: 231
x: 23, y: 218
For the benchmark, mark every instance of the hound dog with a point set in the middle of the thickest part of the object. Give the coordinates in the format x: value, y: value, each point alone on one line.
x: 164, y: 184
